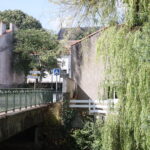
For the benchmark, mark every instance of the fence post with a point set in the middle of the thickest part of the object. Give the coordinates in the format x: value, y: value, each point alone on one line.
x: 89, y: 106
x: 25, y: 99
x: 6, y: 107
x: 20, y: 97
x: 40, y: 91
x: 31, y: 98
x: 14, y: 100
x: 94, y: 106
x: 35, y: 97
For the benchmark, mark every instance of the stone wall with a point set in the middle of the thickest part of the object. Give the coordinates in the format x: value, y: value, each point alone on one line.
x: 2, y: 28
x: 87, y: 68
x: 69, y: 87
x: 14, y: 123
x: 7, y: 75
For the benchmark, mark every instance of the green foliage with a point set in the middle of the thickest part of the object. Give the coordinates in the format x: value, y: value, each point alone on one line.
x: 34, y: 41
x: 35, y: 49
x: 98, y: 10
x: 136, y: 13
x: 20, y: 19
x: 67, y: 115
x: 48, y: 59
x: 89, y: 138
x: 126, y: 55
x: 22, y: 62
x: 110, y: 133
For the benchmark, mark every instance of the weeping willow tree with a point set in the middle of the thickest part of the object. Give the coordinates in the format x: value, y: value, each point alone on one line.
x: 136, y: 11
x: 86, y: 11
x: 126, y: 54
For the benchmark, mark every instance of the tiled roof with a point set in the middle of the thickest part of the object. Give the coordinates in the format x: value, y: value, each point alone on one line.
x: 98, y: 31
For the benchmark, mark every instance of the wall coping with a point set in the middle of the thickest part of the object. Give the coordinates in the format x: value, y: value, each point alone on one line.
x: 94, y: 33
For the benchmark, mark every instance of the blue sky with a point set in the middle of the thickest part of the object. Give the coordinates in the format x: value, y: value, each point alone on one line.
x: 45, y: 12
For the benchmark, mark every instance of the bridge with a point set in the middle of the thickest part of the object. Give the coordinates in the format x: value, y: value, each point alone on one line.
x: 21, y: 109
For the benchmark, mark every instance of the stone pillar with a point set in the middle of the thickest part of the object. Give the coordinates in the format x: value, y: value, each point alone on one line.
x: 36, y: 134
x: 2, y: 28
x: 12, y: 27
x: 37, y: 142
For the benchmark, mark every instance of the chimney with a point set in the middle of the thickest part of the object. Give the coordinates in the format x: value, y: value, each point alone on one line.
x: 12, y: 27
x: 2, y: 28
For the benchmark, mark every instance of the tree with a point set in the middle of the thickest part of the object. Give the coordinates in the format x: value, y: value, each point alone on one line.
x: 85, y: 10
x: 20, y: 19
x: 35, y: 49
x: 137, y: 11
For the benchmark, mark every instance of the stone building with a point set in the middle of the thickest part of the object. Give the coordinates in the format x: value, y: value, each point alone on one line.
x: 87, y: 68
x: 8, y: 77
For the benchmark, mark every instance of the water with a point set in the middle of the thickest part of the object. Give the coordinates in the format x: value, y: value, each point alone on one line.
x: 56, y: 140
x: 22, y: 141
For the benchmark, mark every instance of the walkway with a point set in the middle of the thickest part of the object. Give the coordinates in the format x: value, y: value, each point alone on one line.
x: 15, y: 100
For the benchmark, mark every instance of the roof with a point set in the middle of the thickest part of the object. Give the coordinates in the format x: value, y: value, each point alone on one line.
x: 75, y: 33
x: 92, y: 34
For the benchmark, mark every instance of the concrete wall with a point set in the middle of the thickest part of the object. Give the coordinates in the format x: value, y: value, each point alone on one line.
x: 87, y: 68
x: 2, y: 28
x: 15, y: 123
x: 69, y: 87
x: 7, y: 75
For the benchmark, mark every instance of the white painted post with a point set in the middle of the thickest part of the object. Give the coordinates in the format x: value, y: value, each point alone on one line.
x: 2, y: 28
x: 56, y: 84
x: 11, y: 27
x: 94, y: 106
x: 51, y: 81
x: 89, y: 106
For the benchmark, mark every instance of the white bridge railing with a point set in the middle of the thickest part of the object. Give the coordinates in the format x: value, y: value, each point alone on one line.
x: 94, y: 106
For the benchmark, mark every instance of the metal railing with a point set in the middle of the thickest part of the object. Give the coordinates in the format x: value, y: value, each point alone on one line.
x: 14, y: 99
x: 95, y: 106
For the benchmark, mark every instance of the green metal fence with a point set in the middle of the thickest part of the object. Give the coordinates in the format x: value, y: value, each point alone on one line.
x: 12, y: 99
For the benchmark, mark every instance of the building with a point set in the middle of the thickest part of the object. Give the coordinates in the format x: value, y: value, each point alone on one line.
x: 87, y: 68
x: 8, y: 77
x: 68, y: 37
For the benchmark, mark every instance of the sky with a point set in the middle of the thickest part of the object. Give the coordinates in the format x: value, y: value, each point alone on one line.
x: 47, y: 13
x: 44, y: 11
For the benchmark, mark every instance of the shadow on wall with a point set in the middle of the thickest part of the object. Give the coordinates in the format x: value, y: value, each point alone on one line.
x: 77, y: 61
x: 87, y: 68
x: 81, y: 94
